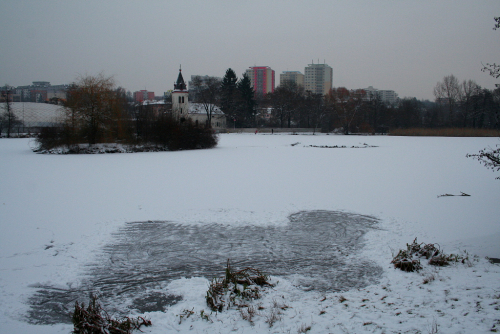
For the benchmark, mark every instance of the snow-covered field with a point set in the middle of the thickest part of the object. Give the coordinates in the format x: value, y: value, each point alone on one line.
x: 67, y: 220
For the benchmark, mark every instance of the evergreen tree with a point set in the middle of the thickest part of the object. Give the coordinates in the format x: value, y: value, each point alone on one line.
x: 247, y: 103
x: 229, y: 93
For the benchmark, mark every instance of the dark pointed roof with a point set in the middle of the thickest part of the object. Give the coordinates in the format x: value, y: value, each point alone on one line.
x: 180, y: 84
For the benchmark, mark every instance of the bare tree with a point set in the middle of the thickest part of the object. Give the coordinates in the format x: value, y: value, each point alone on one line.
x: 448, y: 93
x: 208, y: 94
x: 490, y: 157
x: 493, y: 69
x: 9, y: 119
x: 92, y: 105
x: 468, y: 89
x: 285, y: 101
x: 377, y: 113
x: 408, y: 113
x: 315, y: 109
x: 345, y: 104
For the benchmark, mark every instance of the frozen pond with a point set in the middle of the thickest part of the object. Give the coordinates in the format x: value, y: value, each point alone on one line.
x: 319, y: 250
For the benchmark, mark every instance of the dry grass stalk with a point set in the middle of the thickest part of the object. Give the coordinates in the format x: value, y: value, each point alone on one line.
x: 93, y: 319
x: 248, y: 314
x: 304, y: 328
x: 236, y: 285
x: 273, y: 316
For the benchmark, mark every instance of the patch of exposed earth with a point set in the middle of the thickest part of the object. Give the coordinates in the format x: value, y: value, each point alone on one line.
x: 319, y: 250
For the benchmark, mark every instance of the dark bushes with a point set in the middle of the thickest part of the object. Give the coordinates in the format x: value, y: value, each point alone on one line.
x: 186, y: 135
x: 165, y: 134
x: 49, y: 138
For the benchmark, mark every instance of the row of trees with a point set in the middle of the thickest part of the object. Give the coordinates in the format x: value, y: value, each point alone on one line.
x: 341, y: 108
x: 466, y: 104
x: 98, y: 112
x: 235, y: 97
x: 457, y: 104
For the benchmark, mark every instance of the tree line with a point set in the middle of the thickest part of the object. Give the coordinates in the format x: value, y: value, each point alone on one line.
x: 235, y: 97
x: 464, y: 105
x: 457, y: 105
x: 96, y: 111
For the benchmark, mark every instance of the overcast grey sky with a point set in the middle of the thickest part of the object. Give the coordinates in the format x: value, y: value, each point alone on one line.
x: 406, y: 46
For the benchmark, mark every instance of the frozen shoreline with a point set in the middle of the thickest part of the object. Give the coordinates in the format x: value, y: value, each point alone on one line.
x: 59, y: 211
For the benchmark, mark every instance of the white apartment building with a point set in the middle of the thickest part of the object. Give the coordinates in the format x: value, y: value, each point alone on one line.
x: 388, y: 96
x: 292, y: 76
x: 318, y: 78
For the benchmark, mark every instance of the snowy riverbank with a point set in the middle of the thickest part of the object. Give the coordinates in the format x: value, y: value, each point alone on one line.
x: 61, y: 213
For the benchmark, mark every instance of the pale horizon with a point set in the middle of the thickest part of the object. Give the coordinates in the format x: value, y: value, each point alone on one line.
x: 402, y: 46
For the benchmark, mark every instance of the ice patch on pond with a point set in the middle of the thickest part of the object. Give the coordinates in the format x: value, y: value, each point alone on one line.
x: 317, y: 250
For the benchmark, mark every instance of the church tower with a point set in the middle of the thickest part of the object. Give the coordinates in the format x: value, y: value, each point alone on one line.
x: 180, y: 103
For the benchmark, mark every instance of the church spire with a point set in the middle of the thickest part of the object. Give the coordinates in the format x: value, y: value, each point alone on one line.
x: 180, y: 84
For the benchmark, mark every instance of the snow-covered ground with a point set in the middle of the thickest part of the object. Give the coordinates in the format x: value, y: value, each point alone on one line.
x: 62, y: 216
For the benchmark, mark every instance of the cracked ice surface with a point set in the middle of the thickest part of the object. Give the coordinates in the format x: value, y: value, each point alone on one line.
x: 318, y: 250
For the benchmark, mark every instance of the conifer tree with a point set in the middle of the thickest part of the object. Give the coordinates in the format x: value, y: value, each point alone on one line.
x: 247, y: 103
x: 229, y: 93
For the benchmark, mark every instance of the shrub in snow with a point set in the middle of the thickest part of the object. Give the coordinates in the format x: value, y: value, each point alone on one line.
x: 94, y: 320
x: 409, y: 259
x: 166, y: 134
x: 235, y: 287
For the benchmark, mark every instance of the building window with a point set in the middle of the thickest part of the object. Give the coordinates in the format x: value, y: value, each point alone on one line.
x: 179, y: 99
x: 183, y: 99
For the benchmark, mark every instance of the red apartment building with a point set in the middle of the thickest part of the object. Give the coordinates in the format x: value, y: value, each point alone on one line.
x: 143, y: 95
x: 262, y: 79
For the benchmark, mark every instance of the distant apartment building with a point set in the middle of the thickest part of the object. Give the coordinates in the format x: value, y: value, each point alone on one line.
x: 292, y: 76
x: 24, y: 93
x: 318, y: 78
x: 388, y: 96
x: 39, y: 91
x: 261, y: 79
x: 143, y: 95
x: 41, y: 84
x: 57, y: 92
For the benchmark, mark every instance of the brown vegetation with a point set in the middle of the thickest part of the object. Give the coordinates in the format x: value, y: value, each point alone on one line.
x: 409, y: 259
x: 94, y: 320
x: 243, y: 285
x: 446, y: 132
